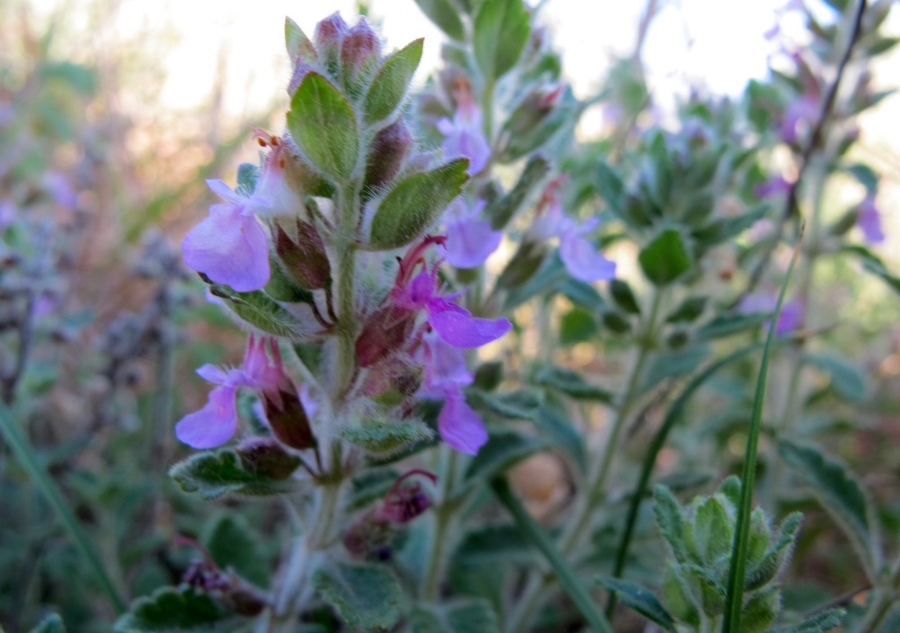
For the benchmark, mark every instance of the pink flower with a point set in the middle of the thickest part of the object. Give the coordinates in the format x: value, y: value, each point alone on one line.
x: 869, y: 220
x: 274, y: 195
x: 470, y: 238
x: 230, y: 246
x: 446, y: 375
x: 580, y: 256
x: 464, y: 135
x: 216, y: 422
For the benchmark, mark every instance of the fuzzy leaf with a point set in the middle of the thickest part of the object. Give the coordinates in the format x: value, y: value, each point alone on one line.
x: 296, y: 42
x: 728, y: 324
x: 582, y: 294
x: 846, y: 378
x: 571, y: 383
x: 488, y: 376
x: 387, y: 437
x: 501, y: 452
x: 840, y: 493
x: 712, y: 531
x: 502, y: 210
x: 391, y: 82
x: 212, y: 474
x: 641, y: 600
x: 501, y: 32
x: 176, y: 610
x: 458, y: 616
x: 777, y: 555
x: 623, y: 296
x: 370, y: 486
x: 445, y: 16
x: 415, y: 204
x: 688, y: 311
x: 665, y: 259
x: 723, y: 229
x: 324, y: 126
x: 260, y: 311
x: 367, y: 596
x: 555, y: 426
x: 514, y: 405
x: 671, y: 364
x: 247, y: 175
x: 232, y: 543
x: 668, y: 514
x: 873, y: 264
x: 825, y: 621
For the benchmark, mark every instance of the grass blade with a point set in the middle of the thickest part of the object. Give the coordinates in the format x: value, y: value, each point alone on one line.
x: 734, y: 599
x: 24, y: 453
x: 564, y: 572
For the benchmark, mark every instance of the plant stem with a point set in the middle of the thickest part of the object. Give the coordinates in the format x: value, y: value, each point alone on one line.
x: 444, y: 513
x: 346, y: 327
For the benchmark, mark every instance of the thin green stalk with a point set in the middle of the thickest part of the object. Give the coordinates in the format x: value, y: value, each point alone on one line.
x: 444, y: 513
x: 734, y: 600
x: 566, y: 575
x: 349, y: 203
x: 26, y: 456
x: 659, y: 440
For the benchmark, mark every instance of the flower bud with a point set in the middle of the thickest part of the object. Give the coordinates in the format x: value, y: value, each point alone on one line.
x: 226, y: 588
x: 405, y: 504
x: 534, y: 108
x: 360, y: 52
x: 393, y: 383
x: 369, y: 535
x: 303, y: 256
x: 265, y: 456
x: 329, y: 34
x: 384, y: 334
x: 389, y: 149
x: 288, y: 419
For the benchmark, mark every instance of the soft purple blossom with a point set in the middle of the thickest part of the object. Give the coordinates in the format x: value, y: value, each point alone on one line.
x: 60, y: 188
x: 446, y: 374
x: 274, y: 195
x: 774, y: 186
x: 470, y: 238
x: 9, y: 213
x: 802, y: 111
x: 216, y: 422
x: 790, y: 318
x: 230, y: 246
x: 580, y: 256
x: 869, y: 220
x: 464, y: 135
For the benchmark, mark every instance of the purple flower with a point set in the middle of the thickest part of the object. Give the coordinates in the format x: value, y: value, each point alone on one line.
x: 790, y: 318
x: 274, y: 194
x: 580, y: 256
x: 470, y: 239
x: 229, y: 246
x: 774, y: 186
x: 802, y: 111
x: 869, y: 220
x: 446, y: 374
x: 464, y: 135
x: 216, y: 422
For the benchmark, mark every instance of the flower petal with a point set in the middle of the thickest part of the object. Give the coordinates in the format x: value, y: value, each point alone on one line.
x: 222, y: 190
x: 212, y: 374
x: 869, y: 221
x: 211, y: 426
x: 470, y: 242
x: 459, y: 425
x: 582, y: 259
x: 445, y: 364
x: 230, y: 248
x: 459, y: 328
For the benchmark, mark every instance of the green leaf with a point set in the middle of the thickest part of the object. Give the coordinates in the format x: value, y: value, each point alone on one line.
x: 840, y: 494
x: 582, y: 294
x: 370, y: 486
x: 577, y: 326
x: 445, y: 16
x: 873, y: 264
x: 824, y: 621
x: 232, y: 543
x: 723, y: 229
x: 501, y: 452
x: 247, y: 175
x: 513, y: 405
x: 641, y: 600
x: 688, y: 311
x: 865, y: 175
x: 669, y: 519
x: 728, y: 324
x: 491, y: 545
x: 623, y: 296
x: 488, y: 376
x: 502, y: 210
x: 616, y: 322
x: 543, y: 274
x: 734, y: 600
x: 260, y: 311
x: 665, y: 259
x: 171, y: 610
x: 324, y: 126
x: 760, y: 610
x: 776, y: 556
x: 672, y: 364
x: 391, y: 82
x: 501, y: 32
x: 846, y: 378
x: 51, y: 624
x: 415, y: 204
x: 571, y: 383
x: 457, y: 616
x: 212, y: 474
x: 368, y: 596
x: 386, y: 437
